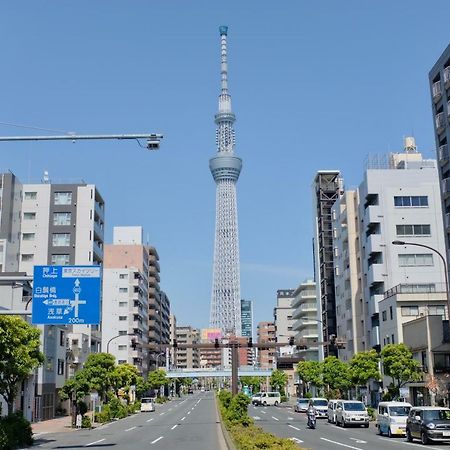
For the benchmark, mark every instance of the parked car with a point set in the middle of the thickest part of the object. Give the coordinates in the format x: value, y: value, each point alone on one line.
x: 332, y: 411
x: 429, y: 424
x: 351, y: 412
x: 301, y: 405
x: 391, y: 417
x: 147, y: 404
x: 321, y: 406
x: 267, y: 398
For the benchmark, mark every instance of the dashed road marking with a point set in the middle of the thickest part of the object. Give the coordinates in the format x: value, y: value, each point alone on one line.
x: 188, y: 412
x: 274, y: 418
x: 183, y: 418
x: 295, y: 428
x: 129, y: 429
x: 173, y: 428
x: 341, y: 444
x: 96, y: 442
x: 149, y: 420
x: 296, y: 440
x: 156, y: 440
x: 263, y: 412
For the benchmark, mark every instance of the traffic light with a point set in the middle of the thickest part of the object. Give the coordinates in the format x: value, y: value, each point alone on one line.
x: 291, y: 340
x: 133, y: 344
x: 216, y: 343
x: 175, y: 343
x: 250, y: 342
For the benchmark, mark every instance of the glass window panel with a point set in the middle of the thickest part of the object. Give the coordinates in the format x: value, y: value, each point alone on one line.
x: 63, y: 198
x: 398, y: 201
x: 61, y: 239
x: 406, y: 201
x: 423, y: 200
x: 28, y: 236
x: 415, y: 201
x: 30, y: 195
x: 62, y: 218
x: 29, y: 215
x: 60, y: 260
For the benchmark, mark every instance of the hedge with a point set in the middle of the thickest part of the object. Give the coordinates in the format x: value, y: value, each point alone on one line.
x: 15, y: 431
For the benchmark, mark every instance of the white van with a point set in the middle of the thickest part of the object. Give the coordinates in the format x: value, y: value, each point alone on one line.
x: 147, y: 404
x: 391, y: 418
x: 267, y: 398
x: 332, y: 411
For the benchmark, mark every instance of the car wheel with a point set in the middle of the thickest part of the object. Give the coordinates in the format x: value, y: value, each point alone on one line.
x: 366, y: 425
x: 389, y: 432
x: 344, y: 423
x: 276, y: 403
x: 424, y: 438
x: 264, y: 403
x: 409, y: 437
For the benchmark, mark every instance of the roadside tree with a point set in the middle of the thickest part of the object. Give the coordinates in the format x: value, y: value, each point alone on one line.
x: 311, y: 373
x: 363, y: 367
x: 336, y: 375
x: 19, y: 355
x: 123, y: 377
x: 278, y: 380
x: 98, y: 369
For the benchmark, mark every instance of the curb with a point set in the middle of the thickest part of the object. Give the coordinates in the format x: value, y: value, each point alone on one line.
x: 226, y: 435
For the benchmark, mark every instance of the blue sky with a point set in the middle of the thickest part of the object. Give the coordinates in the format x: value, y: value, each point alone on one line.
x: 315, y: 85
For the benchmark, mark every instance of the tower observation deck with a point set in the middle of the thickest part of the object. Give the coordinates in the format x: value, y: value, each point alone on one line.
x: 225, y: 168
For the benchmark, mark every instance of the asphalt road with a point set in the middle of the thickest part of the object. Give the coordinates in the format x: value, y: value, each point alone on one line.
x: 285, y: 422
x: 190, y: 423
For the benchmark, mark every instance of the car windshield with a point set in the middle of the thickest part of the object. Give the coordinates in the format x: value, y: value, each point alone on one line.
x: 436, y: 414
x: 146, y: 400
x: 258, y: 394
x: 399, y: 410
x: 356, y: 406
x: 303, y: 400
x: 320, y: 403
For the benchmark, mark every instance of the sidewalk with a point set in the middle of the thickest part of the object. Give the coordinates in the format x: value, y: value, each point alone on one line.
x: 59, y: 425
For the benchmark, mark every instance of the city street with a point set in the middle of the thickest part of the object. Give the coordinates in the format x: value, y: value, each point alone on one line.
x: 285, y: 422
x: 189, y: 423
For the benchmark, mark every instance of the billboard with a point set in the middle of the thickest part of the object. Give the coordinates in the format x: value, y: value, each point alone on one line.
x: 66, y: 295
x: 210, y: 334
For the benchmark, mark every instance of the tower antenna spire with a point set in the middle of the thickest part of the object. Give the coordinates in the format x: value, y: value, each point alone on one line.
x: 223, y: 59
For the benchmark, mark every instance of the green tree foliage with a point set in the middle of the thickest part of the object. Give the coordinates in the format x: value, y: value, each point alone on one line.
x: 19, y: 355
x: 253, y: 382
x: 157, y: 378
x: 98, y: 369
x: 399, y: 364
x: 364, y: 367
x: 278, y: 380
x: 76, y: 387
x: 123, y: 377
x: 310, y: 372
x: 336, y: 374
x: 237, y: 410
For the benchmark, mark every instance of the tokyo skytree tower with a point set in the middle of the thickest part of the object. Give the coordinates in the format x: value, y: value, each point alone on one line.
x: 225, y: 168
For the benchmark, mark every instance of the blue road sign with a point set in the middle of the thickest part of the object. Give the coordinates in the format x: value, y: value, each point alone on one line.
x: 66, y: 295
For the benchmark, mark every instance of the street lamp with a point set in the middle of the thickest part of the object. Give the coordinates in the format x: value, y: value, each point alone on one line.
x: 444, y: 262
x: 157, y: 359
x: 115, y: 337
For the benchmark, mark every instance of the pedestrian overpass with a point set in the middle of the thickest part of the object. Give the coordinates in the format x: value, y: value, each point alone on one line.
x: 243, y: 371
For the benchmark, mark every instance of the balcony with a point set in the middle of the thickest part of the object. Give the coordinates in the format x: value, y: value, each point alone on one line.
x: 439, y: 122
x: 374, y: 244
x: 375, y: 274
x: 447, y: 77
x: 447, y: 222
x: 96, y: 245
x: 436, y: 90
x: 372, y: 214
x: 446, y: 187
x: 443, y: 153
x: 98, y: 229
x: 99, y: 209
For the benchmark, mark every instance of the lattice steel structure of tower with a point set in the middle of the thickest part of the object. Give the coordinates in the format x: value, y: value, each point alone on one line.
x: 225, y: 168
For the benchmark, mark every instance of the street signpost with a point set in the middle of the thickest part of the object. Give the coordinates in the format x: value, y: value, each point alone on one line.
x: 66, y: 295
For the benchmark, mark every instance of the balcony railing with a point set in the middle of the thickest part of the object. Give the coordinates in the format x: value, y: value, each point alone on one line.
x: 443, y: 153
x: 440, y: 122
x: 446, y: 187
x: 437, y: 91
x: 424, y: 288
x: 447, y: 76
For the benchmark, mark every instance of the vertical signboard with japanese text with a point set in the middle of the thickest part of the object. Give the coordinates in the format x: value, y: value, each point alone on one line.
x: 66, y: 295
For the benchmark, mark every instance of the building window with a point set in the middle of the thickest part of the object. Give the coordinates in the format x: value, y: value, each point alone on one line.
x: 415, y: 259
x: 122, y: 347
x: 29, y: 216
x: 49, y: 364
x: 61, y: 239
x: 410, y: 311
x: 27, y: 257
x: 62, y: 218
x: 123, y: 276
x: 392, y: 339
x: 122, y: 361
x: 60, y: 260
x: 30, y: 195
x: 122, y: 318
x: 411, y: 201
x: 384, y: 316
x: 63, y: 198
x: 391, y: 313
x: 436, y: 310
x: 122, y: 332
x: 62, y: 340
x: 60, y: 367
x: 123, y: 303
x: 413, y: 230
x: 123, y: 290
x: 28, y: 236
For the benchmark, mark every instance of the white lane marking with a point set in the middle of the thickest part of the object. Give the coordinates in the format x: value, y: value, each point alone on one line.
x: 290, y: 418
x: 156, y: 440
x: 358, y: 441
x: 96, y: 442
x: 274, y: 418
x: 296, y: 440
x: 170, y: 409
x: 295, y: 428
x: 188, y: 412
x: 256, y: 417
x: 40, y: 434
x: 149, y: 420
x: 173, y: 428
x: 162, y: 413
x: 341, y: 444
x: 183, y: 418
x: 129, y: 429
x: 263, y: 412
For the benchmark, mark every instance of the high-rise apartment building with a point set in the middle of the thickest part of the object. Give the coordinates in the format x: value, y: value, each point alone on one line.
x: 266, y: 333
x: 247, y: 318
x: 439, y: 78
x: 225, y: 168
x: 399, y: 200
x: 327, y: 188
x: 348, y: 280
x: 187, y: 358
x: 283, y: 320
x: 173, y: 337
x: 125, y: 308
x: 305, y: 316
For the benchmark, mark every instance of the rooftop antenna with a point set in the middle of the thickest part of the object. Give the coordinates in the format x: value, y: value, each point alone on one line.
x: 46, y: 177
